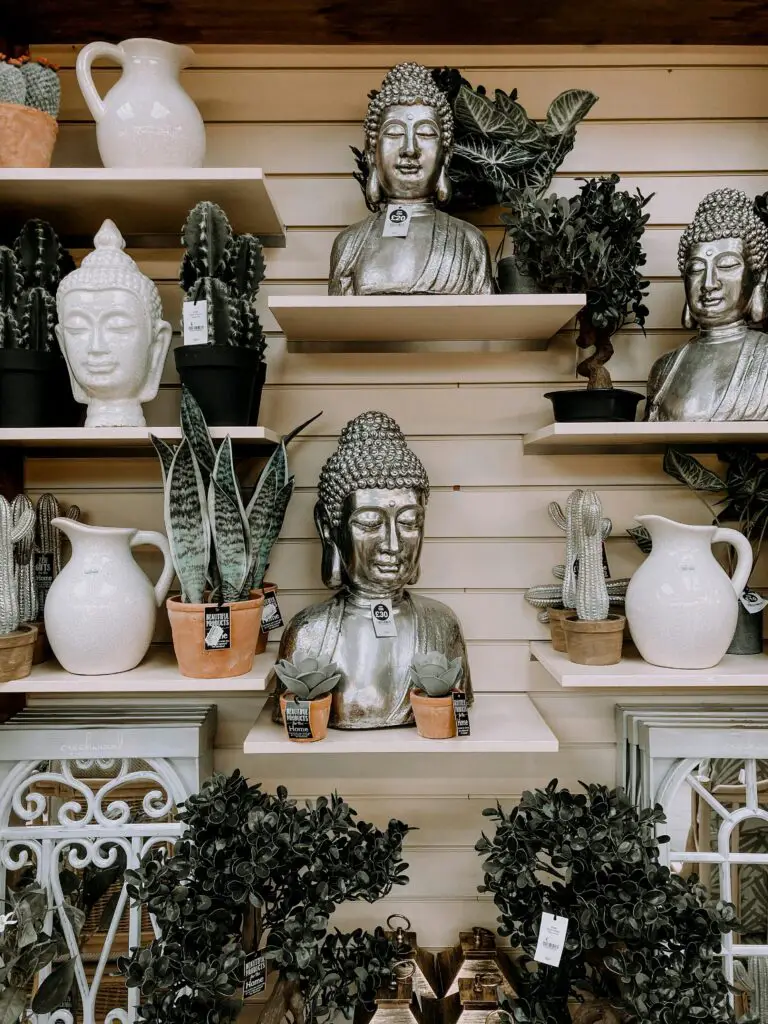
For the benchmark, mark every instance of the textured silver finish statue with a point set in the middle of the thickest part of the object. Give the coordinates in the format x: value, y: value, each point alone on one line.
x: 408, y: 142
x: 370, y: 510
x: 722, y: 373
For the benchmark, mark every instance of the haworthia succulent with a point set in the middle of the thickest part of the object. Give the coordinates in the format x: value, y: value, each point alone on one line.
x: 186, y: 521
x: 24, y: 558
x: 229, y: 527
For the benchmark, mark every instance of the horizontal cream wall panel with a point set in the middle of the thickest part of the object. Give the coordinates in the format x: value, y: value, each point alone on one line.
x: 309, y: 94
x: 601, y: 147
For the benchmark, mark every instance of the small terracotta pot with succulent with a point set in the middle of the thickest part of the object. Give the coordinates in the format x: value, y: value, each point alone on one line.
x: 305, y: 705
x: 433, y: 680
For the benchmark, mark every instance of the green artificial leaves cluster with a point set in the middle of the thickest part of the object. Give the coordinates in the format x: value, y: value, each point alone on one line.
x: 246, y: 851
x: 640, y: 940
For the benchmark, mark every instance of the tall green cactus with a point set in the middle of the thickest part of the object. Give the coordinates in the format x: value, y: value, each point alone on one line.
x: 592, y: 598
x: 49, y: 543
x: 24, y: 559
x: 42, y: 259
x: 10, y: 535
x: 43, y: 88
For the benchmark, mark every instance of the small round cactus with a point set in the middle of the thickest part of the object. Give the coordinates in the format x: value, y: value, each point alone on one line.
x: 434, y: 674
x: 43, y: 88
x: 307, y: 678
x: 13, y: 87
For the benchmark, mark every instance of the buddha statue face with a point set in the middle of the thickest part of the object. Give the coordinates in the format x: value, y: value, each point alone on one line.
x: 718, y: 282
x: 409, y: 155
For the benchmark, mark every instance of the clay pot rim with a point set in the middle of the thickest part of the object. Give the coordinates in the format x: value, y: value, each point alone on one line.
x: 25, y: 635
x: 175, y: 604
x: 287, y: 695
x: 32, y: 112
x: 423, y: 697
x: 611, y: 624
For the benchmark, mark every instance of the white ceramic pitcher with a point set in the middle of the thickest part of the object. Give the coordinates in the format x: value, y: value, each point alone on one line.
x: 681, y: 606
x: 100, y: 611
x: 146, y: 119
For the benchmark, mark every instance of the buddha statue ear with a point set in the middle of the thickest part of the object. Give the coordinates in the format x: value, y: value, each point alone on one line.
x: 756, y: 309
x: 444, y: 187
x: 77, y: 392
x: 162, y: 333
x: 687, y: 319
x: 372, y: 185
x: 331, y: 562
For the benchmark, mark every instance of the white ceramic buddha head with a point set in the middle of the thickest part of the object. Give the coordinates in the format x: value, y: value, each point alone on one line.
x: 112, y: 333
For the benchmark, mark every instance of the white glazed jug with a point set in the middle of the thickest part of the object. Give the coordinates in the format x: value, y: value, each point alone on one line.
x: 681, y: 606
x: 100, y: 611
x: 146, y: 119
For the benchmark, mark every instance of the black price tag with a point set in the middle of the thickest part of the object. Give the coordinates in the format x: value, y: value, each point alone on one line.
x: 254, y: 975
x: 217, y: 629
x: 461, y: 713
x: 297, y: 720
x: 43, y: 576
x: 270, y: 613
x: 383, y: 617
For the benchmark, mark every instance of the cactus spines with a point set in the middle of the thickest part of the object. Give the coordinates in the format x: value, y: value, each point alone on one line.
x: 10, y: 535
x: 11, y: 280
x: 43, y: 88
x: 247, y: 266
x: 208, y: 238
x: 13, y: 88
x: 42, y: 259
x: 29, y: 277
x: 24, y: 558
x: 36, y: 318
x: 591, y: 592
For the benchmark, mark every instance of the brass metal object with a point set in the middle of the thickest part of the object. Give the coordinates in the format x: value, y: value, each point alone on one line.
x: 476, y: 997
x: 405, y: 941
x: 475, y: 953
x: 397, y: 1003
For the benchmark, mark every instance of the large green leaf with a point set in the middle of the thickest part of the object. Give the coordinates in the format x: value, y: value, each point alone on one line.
x: 689, y: 471
x: 186, y: 523
x: 261, y: 510
x: 195, y: 429
x: 271, y: 532
x: 492, y: 153
x: 229, y: 527
x: 568, y: 109
x: 164, y: 453
x: 477, y: 113
x: 13, y: 1002
x: 55, y: 989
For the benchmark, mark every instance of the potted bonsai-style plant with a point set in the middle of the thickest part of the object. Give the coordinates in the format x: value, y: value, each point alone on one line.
x: 308, y: 682
x: 245, y: 850
x: 433, y: 680
x: 34, y: 383
x: 642, y: 943
x: 219, y: 546
x: 222, y: 358
x: 17, y: 640
x: 589, y: 243
x: 30, y: 92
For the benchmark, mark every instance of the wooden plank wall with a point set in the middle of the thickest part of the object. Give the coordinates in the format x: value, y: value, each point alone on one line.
x: 674, y: 122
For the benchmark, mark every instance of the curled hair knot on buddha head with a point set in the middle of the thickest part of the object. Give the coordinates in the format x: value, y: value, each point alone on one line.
x: 408, y: 83
x: 727, y: 213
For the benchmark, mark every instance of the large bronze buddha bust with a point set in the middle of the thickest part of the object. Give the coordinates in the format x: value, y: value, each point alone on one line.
x: 408, y: 142
x: 370, y: 509
x: 722, y: 373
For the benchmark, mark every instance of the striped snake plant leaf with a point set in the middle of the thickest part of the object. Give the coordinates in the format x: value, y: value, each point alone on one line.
x: 260, y: 510
x: 195, y: 429
x: 187, y: 524
x: 229, y: 527
x: 164, y: 454
x: 271, y: 533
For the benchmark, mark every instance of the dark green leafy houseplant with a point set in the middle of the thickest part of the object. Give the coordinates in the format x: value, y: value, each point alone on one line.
x: 498, y: 149
x: 246, y: 850
x: 642, y: 943
x: 589, y: 243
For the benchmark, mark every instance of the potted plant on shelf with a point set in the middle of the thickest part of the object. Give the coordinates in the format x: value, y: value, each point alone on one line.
x: 593, y: 636
x: 246, y: 851
x: 308, y: 682
x: 642, y: 943
x: 220, y: 547
x: 589, y: 243
x: 222, y: 358
x: 433, y: 680
x: 30, y: 93
x: 34, y: 383
x: 17, y: 640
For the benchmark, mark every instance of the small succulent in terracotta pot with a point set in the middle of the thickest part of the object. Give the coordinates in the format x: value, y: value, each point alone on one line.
x: 308, y: 683
x: 433, y: 680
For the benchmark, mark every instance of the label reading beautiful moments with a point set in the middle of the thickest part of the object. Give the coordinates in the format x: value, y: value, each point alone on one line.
x: 217, y: 629
x: 383, y: 618
x: 196, y: 323
x: 549, y: 948
x: 397, y: 221
x: 254, y: 975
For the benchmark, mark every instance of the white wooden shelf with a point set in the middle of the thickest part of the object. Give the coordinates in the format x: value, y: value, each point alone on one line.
x: 112, y: 439
x: 157, y: 674
x: 617, y: 438
x: 733, y: 672
x: 144, y: 203
x: 499, y: 723
x: 524, y: 322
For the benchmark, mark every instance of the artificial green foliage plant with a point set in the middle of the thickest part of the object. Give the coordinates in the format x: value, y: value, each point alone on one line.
x: 307, y: 677
x: 642, y: 942
x: 588, y: 243
x: 433, y: 674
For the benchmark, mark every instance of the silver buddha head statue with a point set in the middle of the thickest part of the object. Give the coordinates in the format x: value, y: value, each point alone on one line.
x: 112, y: 333
x: 408, y: 138
x: 722, y: 257
x: 370, y: 510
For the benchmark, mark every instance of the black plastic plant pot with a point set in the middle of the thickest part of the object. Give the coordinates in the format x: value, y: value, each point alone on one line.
x: 261, y: 376
x: 511, y: 281
x: 594, y: 405
x: 222, y: 379
x: 33, y: 388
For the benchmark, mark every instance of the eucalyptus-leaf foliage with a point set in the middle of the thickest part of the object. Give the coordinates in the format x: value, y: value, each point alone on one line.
x: 641, y: 940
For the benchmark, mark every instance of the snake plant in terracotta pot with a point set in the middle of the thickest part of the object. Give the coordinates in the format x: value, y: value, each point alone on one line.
x: 17, y: 640
x: 433, y: 680
x: 305, y: 704
x: 220, y: 546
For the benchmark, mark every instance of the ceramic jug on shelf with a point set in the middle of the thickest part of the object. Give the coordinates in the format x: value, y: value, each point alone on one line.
x: 146, y: 119
x: 101, y: 608
x: 681, y: 605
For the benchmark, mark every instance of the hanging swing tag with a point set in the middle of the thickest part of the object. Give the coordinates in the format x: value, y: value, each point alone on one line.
x: 397, y: 221
x: 254, y: 975
x: 752, y: 601
x: 297, y: 720
x: 461, y: 712
x: 43, y: 577
x: 195, y: 322
x: 383, y: 618
x: 217, y: 629
x: 270, y: 613
x: 549, y: 948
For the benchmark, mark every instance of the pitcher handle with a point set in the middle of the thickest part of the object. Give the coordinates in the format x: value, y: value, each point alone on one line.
x: 157, y: 540
x: 744, y: 556
x: 85, y: 60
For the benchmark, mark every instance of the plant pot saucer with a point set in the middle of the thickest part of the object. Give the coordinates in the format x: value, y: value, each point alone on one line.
x: 594, y: 405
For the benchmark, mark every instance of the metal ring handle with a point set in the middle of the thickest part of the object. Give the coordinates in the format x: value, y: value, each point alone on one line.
x: 398, y: 917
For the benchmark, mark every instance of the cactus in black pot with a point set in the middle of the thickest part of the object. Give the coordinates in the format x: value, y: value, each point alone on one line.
x: 221, y: 361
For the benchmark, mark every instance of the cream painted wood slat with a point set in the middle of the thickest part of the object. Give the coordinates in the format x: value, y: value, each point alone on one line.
x: 601, y: 146
x: 316, y: 94
x: 112, y: 439
x: 597, y: 437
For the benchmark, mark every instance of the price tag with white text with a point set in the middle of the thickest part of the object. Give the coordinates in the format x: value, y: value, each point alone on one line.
x: 397, y: 221
x: 383, y: 617
x: 549, y: 948
x: 196, y: 323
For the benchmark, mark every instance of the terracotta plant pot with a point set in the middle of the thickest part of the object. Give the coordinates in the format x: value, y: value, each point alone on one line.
x: 27, y: 136
x: 187, y: 624
x: 434, y: 716
x: 594, y: 643
x: 319, y: 713
x: 261, y: 643
x: 556, y: 628
x: 16, y: 650
x: 42, y: 648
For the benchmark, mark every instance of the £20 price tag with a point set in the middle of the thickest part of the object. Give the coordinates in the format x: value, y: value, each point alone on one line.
x: 549, y: 948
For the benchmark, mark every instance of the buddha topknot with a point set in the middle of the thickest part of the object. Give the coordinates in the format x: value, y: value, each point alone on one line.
x: 727, y: 213
x: 408, y: 83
